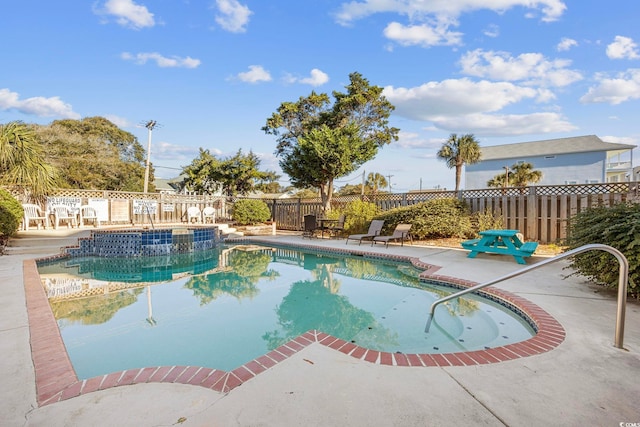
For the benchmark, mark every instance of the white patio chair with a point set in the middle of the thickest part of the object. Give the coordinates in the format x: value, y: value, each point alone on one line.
x: 209, y: 215
x: 89, y: 214
x: 193, y: 213
x: 34, y: 213
x: 62, y: 214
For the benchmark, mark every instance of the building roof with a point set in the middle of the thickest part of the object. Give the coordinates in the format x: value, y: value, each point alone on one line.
x: 576, y: 144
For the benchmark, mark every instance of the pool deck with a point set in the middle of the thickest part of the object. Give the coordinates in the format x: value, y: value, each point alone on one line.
x: 584, y: 380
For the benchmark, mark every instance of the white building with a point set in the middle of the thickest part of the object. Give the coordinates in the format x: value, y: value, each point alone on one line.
x: 575, y: 160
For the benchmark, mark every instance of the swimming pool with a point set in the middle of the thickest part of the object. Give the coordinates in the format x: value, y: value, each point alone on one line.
x: 224, y: 307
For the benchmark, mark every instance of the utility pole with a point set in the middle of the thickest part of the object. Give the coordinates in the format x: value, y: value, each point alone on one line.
x: 149, y: 125
x: 389, y: 181
x: 362, y: 187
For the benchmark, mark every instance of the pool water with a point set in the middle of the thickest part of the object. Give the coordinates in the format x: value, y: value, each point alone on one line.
x: 229, y: 305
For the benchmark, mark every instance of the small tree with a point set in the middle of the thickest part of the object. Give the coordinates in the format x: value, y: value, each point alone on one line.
x: 234, y: 175
x: 458, y: 151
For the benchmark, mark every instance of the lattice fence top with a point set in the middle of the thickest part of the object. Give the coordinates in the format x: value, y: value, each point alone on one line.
x: 582, y: 189
x: 395, y: 198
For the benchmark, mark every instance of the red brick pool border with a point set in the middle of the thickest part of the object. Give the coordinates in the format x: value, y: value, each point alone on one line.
x: 56, y: 380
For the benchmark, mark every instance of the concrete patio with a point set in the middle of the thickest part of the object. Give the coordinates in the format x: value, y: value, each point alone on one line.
x: 584, y: 381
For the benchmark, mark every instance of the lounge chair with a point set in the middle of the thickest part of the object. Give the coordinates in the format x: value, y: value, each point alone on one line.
x: 89, y: 214
x: 400, y: 233
x: 35, y: 214
x: 374, y: 229
x: 310, y: 226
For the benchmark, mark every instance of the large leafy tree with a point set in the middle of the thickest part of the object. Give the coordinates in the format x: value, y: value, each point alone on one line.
x: 94, y: 153
x: 319, y: 141
x: 458, y: 151
x: 22, y: 161
x: 238, y: 174
x: 519, y: 175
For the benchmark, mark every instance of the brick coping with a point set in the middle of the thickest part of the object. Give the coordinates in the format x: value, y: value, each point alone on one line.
x: 56, y: 379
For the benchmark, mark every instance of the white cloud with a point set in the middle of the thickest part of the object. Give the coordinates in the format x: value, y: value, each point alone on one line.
x: 425, y: 35
x: 619, y: 139
x: 624, y: 87
x: 417, y: 9
x: 232, y: 16
x: 255, y: 74
x: 161, y: 61
x: 168, y: 151
x: 566, y: 44
x: 414, y: 140
x: 623, y: 48
x: 118, y: 121
x: 492, y: 31
x: 532, y: 68
x: 128, y: 13
x: 453, y: 105
x: 316, y: 78
x: 36, y: 106
x: 455, y: 97
x: 506, y: 124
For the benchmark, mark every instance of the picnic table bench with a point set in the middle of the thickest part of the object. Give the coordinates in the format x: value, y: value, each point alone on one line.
x: 503, y: 242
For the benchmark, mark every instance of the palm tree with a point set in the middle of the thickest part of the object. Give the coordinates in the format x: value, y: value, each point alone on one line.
x: 519, y: 175
x: 22, y: 163
x: 522, y: 174
x: 376, y: 181
x: 460, y: 151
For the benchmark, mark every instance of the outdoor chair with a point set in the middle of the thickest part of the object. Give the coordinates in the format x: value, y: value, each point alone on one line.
x: 35, y: 214
x: 400, y: 233
x: 310, y: 226
x: 62, y: 214
x: 374, y: 229
x: 193, y: 213
x: 90, y: 215
x: 209, y: 215
x: 336, y: 229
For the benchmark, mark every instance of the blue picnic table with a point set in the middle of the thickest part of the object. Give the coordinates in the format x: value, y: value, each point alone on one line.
x: 504, y: 242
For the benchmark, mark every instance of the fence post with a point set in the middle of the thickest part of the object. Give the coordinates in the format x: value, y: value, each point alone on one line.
x: 273, y: 210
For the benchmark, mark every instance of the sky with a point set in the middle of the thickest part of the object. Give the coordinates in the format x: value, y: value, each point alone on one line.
x: 211, y: 72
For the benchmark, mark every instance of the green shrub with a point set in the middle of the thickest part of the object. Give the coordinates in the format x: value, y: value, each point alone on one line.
x: 439, y: 218
x: 250, y: 211
x: 487, y: 220
x: 617, y: 226
x: 10, y: 214
x: 358, y: 215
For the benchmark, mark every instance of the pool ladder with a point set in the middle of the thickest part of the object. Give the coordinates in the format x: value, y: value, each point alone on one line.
x: 623, y: 280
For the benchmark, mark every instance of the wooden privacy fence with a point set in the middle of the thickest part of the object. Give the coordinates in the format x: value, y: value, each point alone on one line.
x: 541, y: 213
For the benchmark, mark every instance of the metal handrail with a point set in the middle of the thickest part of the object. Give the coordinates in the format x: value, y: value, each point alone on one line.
x: 623, y: 280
